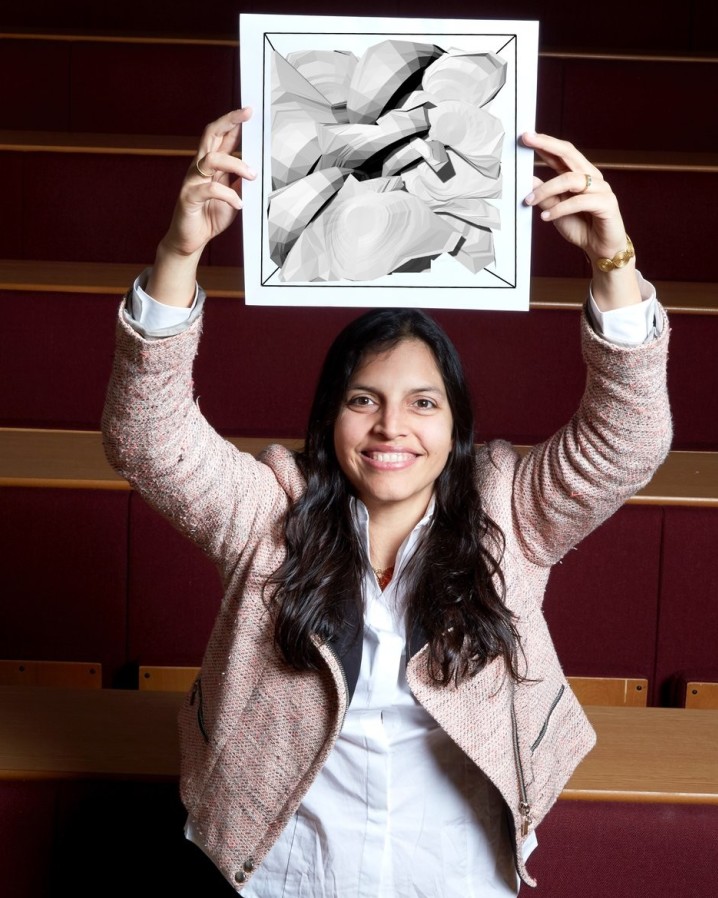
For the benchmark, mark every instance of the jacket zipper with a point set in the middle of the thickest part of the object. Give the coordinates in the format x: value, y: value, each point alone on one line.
x: 331, y: 650
x: 540, y: 736
x: 524, y: 806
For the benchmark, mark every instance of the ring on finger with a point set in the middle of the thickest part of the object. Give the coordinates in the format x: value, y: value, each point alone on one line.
x: 202, y: 174
x: 589, y: 181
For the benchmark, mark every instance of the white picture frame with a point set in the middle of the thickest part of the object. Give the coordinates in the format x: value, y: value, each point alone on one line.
x: 265, y: 43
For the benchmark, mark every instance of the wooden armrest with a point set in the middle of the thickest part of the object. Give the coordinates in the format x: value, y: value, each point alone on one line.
x: 166, y: 679
x: 701, y: 695
x: 65, y: 674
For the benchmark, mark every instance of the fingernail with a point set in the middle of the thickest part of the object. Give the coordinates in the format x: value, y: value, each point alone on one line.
x: 546, y: 215
x: 530, y: 199
x: 251, y: 173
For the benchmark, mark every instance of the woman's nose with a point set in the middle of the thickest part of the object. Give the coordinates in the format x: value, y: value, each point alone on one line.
x: 391, y: 422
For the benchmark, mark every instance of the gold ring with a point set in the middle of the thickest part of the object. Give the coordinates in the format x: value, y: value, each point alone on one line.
x: 589, y: 181
x: 204, y: 174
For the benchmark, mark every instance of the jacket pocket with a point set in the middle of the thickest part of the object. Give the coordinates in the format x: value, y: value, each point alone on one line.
x: 542, y: 732
x: 195, y: 698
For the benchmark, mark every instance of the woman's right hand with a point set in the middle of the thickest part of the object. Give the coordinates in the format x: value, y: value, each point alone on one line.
x: 208, y: 203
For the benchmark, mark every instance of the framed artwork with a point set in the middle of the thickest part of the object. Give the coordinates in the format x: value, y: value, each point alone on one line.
x: 390, y: 167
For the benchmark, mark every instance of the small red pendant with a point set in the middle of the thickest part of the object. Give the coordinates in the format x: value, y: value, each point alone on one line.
x: 384, y: 577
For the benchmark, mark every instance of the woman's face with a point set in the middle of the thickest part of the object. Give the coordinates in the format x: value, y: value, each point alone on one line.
x: 393, y: 434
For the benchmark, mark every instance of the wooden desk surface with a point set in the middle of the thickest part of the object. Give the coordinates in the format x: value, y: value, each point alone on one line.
x: 650, y: 755
x: 643, y: 754
x: 51, y: 733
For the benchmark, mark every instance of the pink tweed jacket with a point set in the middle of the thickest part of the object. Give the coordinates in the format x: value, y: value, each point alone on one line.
x: 254, y: 733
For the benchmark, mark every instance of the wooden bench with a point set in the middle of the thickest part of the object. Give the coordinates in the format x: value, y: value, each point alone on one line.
x: 642, y: 754
x: 31, y: 457
x: 611, y: 691
x: 679, y: 297
x: 75, y: 766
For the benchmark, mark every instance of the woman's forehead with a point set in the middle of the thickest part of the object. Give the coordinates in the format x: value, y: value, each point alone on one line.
x: 409, y: 357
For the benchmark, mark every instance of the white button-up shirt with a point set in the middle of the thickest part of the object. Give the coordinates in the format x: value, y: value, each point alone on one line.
x: 398, y: 810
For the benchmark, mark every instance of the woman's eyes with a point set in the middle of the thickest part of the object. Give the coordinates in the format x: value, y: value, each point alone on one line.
x: 422, y: 403
x: 361, y: 401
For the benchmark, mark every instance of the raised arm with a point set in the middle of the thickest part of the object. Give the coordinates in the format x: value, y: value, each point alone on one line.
x: 621, y: 432
x: 584, y: 209
x: 208, y: 203
x: 153, y: 431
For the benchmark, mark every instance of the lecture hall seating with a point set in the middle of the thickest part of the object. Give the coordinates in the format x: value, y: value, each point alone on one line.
x: 102, y: 106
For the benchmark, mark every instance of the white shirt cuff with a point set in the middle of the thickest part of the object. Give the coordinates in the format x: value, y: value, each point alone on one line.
x: 155, y: 316
x: 630, y: 325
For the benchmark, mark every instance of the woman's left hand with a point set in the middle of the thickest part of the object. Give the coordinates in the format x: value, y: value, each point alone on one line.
x: 584, y: 209
x: 578, y: 200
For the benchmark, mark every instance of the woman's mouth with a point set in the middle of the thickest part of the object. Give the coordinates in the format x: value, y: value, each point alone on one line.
x: 390, y: 457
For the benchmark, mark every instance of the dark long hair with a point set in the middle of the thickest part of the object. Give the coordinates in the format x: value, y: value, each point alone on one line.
x: 454, y: 584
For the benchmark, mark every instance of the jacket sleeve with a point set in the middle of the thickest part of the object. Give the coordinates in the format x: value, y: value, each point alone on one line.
x: 155, y: 436
x: 620, y: 434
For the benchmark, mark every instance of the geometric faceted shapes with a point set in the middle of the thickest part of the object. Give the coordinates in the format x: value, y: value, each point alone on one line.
x: 329, y: 71
x: 292, y: 90
x: 431, y: 151
x: 402, y: 157
x: 308, y: 259
x: 467, y: 182
x: 295, y: 148
x: 365, y: 235
x: 350, y: 146
x: 473, y: 210
x: 383, y: 72
x: 473, y: 77
x: 381, y: 185
x: 477, y: 250
x: 472, y: 132
x: 435, y: 156
x: 292, y: 208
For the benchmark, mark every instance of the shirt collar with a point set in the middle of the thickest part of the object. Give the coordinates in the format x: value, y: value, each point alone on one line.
x: 360, y: 516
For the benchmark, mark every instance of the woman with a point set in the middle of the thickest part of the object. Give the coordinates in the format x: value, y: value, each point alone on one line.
x: 380, y: 710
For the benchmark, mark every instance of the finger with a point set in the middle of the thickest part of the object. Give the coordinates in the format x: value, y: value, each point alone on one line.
x: 199, y: 168
x: 225, y: 124
x: 600, y: 206
x: 568, y: 182
x: 211, y: 164
x: 223, y: 135
x: 537, y: 196
x: 200, y: 192
x: 561, y: 155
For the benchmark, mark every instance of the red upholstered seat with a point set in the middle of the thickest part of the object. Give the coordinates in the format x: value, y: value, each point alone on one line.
x: 617, y: 850
x: 174, y: 592
x: 688, y: 623
x: 64, y: 554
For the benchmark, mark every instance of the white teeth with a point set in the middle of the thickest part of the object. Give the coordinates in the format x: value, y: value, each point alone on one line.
x: 389, y: 456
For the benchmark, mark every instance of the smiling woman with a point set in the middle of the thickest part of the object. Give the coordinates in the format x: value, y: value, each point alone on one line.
x: 380, y: 712
x: 393, y: 434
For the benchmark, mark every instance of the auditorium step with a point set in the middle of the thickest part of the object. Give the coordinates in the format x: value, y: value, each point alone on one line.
x: 103, y: 277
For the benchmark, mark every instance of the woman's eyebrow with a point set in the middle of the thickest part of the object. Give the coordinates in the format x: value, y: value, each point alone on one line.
x: 367, y: 388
